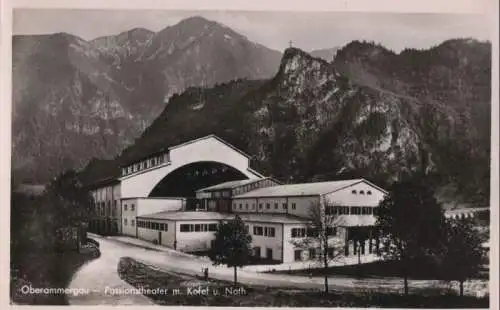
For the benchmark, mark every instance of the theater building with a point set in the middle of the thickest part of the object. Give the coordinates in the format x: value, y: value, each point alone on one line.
x: 177, y: 195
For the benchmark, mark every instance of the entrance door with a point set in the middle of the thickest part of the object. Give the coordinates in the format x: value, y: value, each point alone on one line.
x: 159, y: 237
x: 269, y: 254
x: 298, y: 255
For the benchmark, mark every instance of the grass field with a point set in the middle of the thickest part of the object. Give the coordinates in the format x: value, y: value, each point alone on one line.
x: 378, y: 269
x: 194, y: 291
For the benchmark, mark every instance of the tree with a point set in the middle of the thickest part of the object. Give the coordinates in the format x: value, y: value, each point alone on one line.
x: 320, y: 232
x: 232, y: 245
x: 411, y: 222
x: 463, y: 252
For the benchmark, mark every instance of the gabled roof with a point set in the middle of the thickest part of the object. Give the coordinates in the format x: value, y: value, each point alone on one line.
x: 212, y: 136
x: 185, y: 216
x: 173, y: 147
x: 233, y: 184
x: 304, y: 189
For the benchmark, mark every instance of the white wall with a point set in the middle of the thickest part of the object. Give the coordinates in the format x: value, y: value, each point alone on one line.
x: 292, y: 244
x: 167, y: 237
x: 128, y: 216
x: 264, y: 242
x: 194, y: 241
x: 345, y: 197
x: 302, y: 205
x: 210, y: 149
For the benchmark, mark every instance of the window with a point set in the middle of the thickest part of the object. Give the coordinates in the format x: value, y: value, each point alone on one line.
x: 355, y: 210
x: 246, y: 206
x: 162, y: 226
x: 361, y: 192
x: 369, y: 192
x: 298, y: 232
x: 294, y: 206
x: 312, y: 253
x: 285, y: 206
x: 260, y: 206
x: 297, y: 254
x: 366, y: 210
x: 197, y: 227
x: 125, y: 207
x: 275, y: 205
x: 345, y: 210
x: 160, y: 159
x: 257, y: 230
x: 234, y: 205
x: 212, y: 227
x: 268, y: 206
x: 125, y: 222
x: 253, y: 206
x: 354, y: 191
x: 132, y: 222
x: 185, y: 228
x: 124, y: 171
x: 256, y: 251
x: 269, y: 231
x: 132, y: 207
x: 241, y: 206
x: 312, y: 232
x: 331, y: 231
x: 330, y: 253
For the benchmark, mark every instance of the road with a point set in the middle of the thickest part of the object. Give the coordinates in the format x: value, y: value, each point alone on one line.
x: 101, y: 275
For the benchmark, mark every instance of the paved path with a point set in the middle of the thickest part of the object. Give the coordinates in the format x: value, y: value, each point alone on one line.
x: 102, y: 273
x: 100, y: 276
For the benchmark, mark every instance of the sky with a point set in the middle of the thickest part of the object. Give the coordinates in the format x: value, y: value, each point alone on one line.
x: 307, y: 30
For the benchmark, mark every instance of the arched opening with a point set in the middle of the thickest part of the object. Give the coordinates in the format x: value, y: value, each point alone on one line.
x: 186, y: 180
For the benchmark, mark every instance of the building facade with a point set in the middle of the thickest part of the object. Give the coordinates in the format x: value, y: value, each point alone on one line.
x: 277, y: 216
x: 106, y: 212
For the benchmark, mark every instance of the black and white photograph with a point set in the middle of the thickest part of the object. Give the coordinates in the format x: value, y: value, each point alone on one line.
x: 252, y: 158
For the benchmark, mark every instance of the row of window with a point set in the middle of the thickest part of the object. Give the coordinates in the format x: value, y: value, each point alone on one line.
x: 351, y: 210
x: 152, y: 225
x: 132, y: 207
x: 125, y: 222
x: 309, y: 232
x: 148, y: 163
x: 261, y: 205
x: 361, y: 192
x: 100, y: 208
x: 264, y: 231
x: 198, y: 227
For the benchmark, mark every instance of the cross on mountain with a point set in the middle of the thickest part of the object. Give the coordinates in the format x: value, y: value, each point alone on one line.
x: 290, y: 42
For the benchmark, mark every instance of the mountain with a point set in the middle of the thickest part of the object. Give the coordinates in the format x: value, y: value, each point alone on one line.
x: 316, y: 120
x: 327, y: 54
x: 453, y: 79
x: 74, y: 100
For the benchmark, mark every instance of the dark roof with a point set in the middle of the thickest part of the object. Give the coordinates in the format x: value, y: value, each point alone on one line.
x: 166, y: 149
x: 210, y: 216
x: 185, y: 215
x: 231, y: 184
